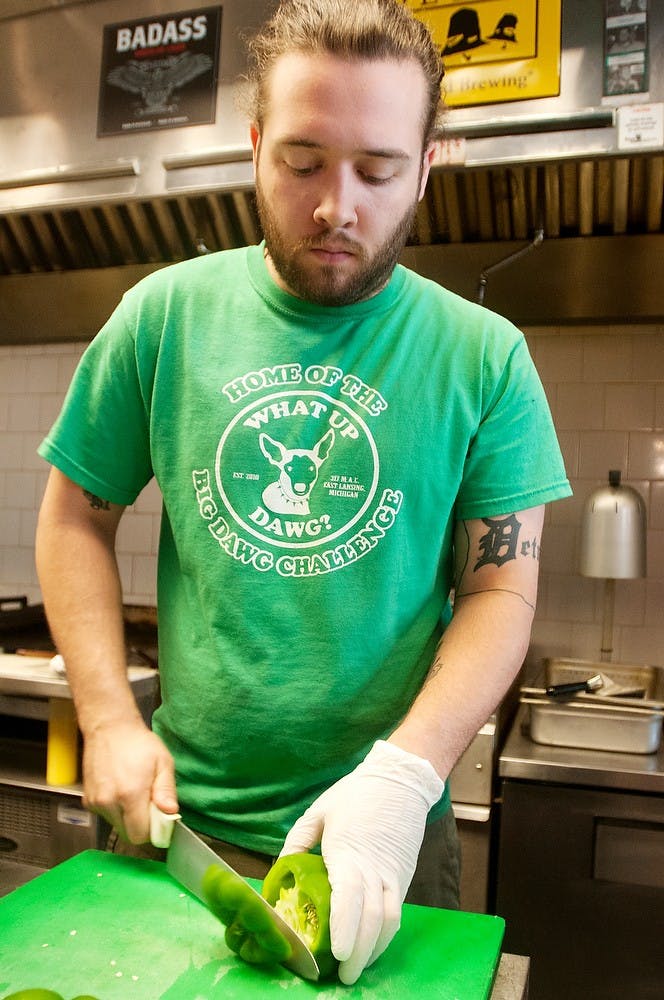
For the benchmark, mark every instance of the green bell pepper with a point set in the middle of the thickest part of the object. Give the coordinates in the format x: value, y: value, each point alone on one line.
x: 33, y: 994
x: 249, y: 929
x: 298, y: 888
x: 40, y: 994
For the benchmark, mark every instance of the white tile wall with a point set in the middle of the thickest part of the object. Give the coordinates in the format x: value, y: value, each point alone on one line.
x: 606, y: 390
x: 33, y: 381
x: 605, y: 386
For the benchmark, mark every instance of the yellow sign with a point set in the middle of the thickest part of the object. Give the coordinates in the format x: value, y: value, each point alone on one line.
x: 495, y: 50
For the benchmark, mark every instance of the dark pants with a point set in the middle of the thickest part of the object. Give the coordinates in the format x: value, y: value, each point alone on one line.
x: 435, y: 882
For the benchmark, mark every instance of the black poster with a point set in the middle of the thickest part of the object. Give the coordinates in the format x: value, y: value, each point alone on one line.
x: 159, y: 72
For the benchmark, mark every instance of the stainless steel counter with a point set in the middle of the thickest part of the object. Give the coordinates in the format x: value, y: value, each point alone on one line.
x: 521, y: 758
x: 34, y: 677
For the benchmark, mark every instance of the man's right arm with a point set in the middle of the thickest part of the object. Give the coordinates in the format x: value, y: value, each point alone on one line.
x: 125, y: 765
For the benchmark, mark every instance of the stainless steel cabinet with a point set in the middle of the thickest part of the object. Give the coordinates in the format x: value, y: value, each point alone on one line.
x: 581, y: 887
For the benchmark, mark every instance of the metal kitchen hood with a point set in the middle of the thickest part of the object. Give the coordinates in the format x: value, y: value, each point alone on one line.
x: 74, y: 203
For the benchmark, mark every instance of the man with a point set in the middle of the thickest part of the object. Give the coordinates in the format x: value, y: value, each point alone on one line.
x: 338, y: 443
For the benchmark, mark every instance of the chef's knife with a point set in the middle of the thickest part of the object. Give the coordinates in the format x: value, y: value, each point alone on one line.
x: 188, y: 859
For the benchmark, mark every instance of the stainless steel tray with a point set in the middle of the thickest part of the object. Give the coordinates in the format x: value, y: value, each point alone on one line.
x: 595, y: 721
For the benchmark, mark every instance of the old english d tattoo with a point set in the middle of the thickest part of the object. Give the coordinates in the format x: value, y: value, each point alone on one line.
x: 499, y: 545
x: 96, y: 502
x: 501, y: 542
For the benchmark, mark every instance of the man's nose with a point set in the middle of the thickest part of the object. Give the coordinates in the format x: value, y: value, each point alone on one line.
x: 337, y: 202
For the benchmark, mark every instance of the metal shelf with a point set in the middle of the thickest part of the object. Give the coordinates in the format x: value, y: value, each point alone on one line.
x: 23, y: 765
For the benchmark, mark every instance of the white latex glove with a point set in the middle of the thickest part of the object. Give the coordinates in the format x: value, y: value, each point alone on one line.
x: 370, y: 826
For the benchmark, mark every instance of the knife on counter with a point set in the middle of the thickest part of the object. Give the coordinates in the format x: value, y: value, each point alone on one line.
x: 188, y: 858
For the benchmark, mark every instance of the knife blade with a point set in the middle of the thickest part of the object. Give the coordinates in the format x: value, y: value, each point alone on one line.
x: 188, y: 858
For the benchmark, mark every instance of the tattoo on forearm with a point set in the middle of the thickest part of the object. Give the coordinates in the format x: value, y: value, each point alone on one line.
x: 501, y: 542
x: 96, y: 502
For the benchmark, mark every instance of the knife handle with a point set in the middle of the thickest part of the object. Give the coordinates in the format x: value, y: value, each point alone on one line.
x: 161, y: 826
x: 590, y: 685
x: 559, y: 690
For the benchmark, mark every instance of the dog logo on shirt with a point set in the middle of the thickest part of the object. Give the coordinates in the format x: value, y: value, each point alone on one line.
x: 298, y: 469
x: 294, y: 488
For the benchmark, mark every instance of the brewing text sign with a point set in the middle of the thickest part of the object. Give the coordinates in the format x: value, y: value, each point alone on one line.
x: 495, y: 52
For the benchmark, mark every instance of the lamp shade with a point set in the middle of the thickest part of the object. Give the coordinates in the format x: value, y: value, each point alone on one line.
x: 613, y: 532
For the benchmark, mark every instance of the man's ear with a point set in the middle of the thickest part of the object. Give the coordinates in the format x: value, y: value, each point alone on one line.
x: 255, y: 137
x: 427, y: 160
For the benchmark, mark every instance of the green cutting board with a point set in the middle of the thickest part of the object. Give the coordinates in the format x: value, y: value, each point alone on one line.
x: 122, y: 929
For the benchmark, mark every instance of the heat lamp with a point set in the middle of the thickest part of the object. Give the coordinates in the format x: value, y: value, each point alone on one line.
x: 613, y: 544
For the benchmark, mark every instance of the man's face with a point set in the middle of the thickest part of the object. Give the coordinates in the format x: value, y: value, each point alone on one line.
x: 339, y: 172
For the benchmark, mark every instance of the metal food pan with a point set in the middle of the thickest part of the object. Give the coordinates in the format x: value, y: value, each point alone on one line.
x: 593, y: 722
x: 651, y: 679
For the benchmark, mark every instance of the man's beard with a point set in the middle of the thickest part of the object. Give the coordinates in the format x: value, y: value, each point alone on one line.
x: 327, y: 285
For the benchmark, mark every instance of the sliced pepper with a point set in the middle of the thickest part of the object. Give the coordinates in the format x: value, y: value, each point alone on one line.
x: 36, y: 993
x: 249, y: 929
x: 298, y: 888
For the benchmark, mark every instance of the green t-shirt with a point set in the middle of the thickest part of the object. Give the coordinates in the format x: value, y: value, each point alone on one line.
x: 312, y: 463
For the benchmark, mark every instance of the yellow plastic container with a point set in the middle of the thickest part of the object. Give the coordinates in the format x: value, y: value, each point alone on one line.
x: 62, y: 743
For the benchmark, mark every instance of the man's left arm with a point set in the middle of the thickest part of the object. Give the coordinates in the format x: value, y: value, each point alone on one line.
x: 485, y: 644
x: 370, y: 824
